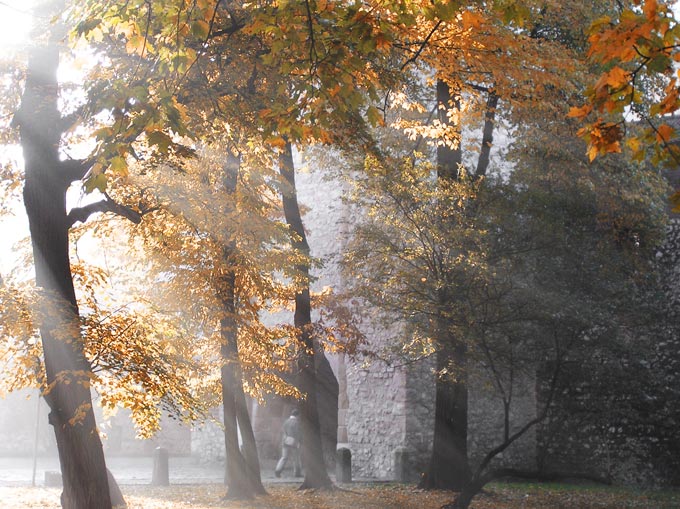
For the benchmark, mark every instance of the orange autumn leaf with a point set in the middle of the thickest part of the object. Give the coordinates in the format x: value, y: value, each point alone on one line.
x: 664, y: 133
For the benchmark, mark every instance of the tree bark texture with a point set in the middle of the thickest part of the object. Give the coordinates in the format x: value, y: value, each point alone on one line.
x: 316, y: 475
x: 68, y: 372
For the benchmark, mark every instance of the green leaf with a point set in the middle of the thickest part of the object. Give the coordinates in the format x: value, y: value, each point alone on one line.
x: 160, y: 140
x: 86, y: 26
x: 200, y: 28
x: 375, y: 117
x: 119, y: 165
x: 660, y: 63
x: 97, y: 181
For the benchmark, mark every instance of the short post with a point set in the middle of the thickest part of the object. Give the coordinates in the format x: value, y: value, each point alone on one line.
x: 401, y: 465
x: 160, y: 475
x: 53, y: 479
x: 343, y: 465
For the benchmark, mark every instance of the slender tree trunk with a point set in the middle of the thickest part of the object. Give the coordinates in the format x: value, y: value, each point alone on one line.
x: 249, y: 449
x: 242, y: 470
x: 236, y: 474
x: 68, y: 371
x: 449, y: 467
x: 316, y: 475
x: 235, y: 468
x: 483, y: 474
x: 242, y: 473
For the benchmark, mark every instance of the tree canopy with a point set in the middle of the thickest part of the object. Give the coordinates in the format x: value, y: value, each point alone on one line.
x: 511, y: 265
x: 637, y: 49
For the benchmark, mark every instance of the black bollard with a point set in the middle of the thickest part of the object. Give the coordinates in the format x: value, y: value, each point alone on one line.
x: 160, y: 475
x: 343, y: 465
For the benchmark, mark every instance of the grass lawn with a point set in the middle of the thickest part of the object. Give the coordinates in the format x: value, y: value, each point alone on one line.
x: 378, y: 496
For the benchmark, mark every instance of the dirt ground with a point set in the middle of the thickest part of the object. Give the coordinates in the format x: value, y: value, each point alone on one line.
x: 377, y: 496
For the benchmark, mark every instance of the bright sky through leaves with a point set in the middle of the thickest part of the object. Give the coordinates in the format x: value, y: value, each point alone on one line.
x: 15, y: 23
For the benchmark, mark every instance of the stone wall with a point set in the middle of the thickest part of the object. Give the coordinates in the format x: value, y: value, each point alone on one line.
x: 207, y: 440
x: 376, y: 418
x: 385, y: 409
x: 119, y: 436
x: 486, y: 420
x: 382, y: 408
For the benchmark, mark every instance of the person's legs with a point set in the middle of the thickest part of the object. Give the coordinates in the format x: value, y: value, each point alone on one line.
x: 282, y: 462
x: 297, y: 462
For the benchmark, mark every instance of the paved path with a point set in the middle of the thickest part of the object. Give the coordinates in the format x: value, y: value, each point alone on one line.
x: 136, y: 470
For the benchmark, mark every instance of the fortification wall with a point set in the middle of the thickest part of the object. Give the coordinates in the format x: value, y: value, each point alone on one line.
x: 372, y: 401
x: 486, y: 419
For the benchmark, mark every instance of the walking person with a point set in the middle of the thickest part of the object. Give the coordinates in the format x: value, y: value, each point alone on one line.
x: 291, y: 441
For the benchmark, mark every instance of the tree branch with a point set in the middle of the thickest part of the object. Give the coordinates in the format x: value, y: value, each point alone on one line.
x: 107, y: 205
x: 313, y: 57
x: 72, y: 170
x: 422, y: 46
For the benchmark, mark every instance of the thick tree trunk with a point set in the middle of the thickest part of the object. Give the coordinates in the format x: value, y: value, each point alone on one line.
x: 449, y: 159
x: 449, y: 467
x: 68, y: 371
x: 464, y: 498
x: 316, y: 475
x: 487, y: 134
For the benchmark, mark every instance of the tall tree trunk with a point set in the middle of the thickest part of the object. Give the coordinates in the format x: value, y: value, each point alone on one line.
x: 249, y: 449
x: 449, y: 159
x: 449, y: 467
x: 242, y: 474
x: 68, y: 372
x: 316, y: 475
x: 236, y: 474
x: 242, y: 470
x: 487, y: 134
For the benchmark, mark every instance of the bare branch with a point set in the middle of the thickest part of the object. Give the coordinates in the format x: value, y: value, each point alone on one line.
x: 422, y: 47
x: 313, y: 57
x: 107, y: 205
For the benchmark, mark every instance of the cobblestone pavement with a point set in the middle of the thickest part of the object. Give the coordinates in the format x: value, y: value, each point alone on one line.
x: 19, y: 471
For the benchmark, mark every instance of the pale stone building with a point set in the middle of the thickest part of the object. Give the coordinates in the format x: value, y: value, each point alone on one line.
x: 385, y: 411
